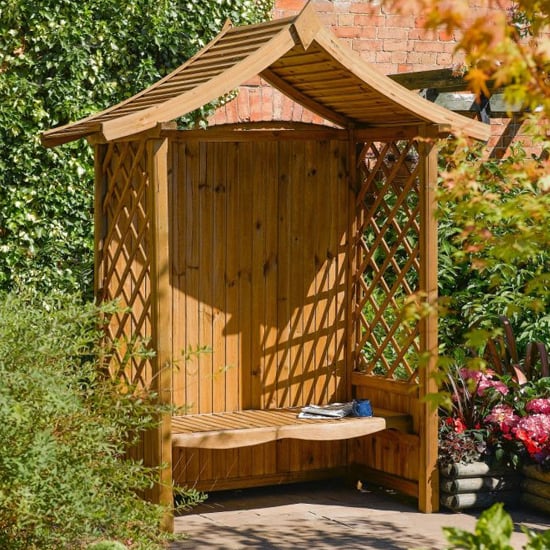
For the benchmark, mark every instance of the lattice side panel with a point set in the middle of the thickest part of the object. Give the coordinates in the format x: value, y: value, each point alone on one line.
x: 125, y: 262
x: 387, y: 258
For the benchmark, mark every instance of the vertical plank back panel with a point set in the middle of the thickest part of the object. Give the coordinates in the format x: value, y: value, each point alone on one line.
x: 260, y: 275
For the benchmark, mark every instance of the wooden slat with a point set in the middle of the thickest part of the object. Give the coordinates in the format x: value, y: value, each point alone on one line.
x: 245, y: 240
x: 178, y: 237
x: 270, y: 271
x: 205, y: 283
x: 298, y: 277
x: 285, y: 279
x: 323, y: 258
x: 233, y: 395
x: 258, y: 176
x: 191, y: 260
x: 217, y: 167
x: 310, y: 218
x: 220, y: 431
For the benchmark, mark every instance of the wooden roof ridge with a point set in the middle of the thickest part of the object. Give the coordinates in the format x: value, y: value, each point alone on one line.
x: 298, y: 56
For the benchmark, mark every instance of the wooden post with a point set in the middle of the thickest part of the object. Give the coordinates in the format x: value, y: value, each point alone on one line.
x: 160, y: 442
x: 428, y: 482
x: 351, y: 361
x: 100, y: 222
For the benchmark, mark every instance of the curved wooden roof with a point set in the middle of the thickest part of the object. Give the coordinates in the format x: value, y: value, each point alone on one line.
x: 296, y: 55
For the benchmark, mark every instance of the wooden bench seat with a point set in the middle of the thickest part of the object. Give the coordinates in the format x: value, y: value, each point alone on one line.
x: 251, y: 427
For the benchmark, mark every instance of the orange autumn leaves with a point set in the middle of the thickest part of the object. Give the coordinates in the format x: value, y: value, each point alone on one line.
x: 503, y: 44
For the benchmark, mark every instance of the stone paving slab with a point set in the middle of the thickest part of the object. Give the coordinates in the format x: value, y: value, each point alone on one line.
x: 325, y: 515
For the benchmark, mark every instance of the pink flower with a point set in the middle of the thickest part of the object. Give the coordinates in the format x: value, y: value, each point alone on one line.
x: 504, y: 416
x: 537, y: 426
x: 541, y: 406
x: 467, y: 374
x: 484, y: 381
x: 497, y: 385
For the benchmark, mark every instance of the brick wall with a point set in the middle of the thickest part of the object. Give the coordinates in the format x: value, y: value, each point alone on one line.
x: 393, y: 43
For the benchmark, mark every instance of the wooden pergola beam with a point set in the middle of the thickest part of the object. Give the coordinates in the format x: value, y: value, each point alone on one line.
x: 447, y: 88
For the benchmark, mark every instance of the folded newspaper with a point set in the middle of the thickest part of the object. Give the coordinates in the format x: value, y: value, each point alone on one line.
x: 333, y: 410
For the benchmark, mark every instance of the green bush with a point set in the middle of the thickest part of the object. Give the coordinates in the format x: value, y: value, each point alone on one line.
x: 64, y: 430
x: 493, y: 531
x: 494, y: 257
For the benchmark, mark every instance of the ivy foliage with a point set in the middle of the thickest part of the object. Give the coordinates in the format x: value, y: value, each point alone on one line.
x: 61, y: 60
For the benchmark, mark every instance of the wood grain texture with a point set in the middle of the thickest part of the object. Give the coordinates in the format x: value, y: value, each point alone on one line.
x: 253, y: 427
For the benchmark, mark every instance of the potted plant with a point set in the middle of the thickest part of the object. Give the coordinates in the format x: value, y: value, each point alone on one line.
x: 477, y: 467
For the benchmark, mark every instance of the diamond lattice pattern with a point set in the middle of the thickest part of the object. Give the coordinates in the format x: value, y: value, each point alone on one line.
x: 387, y: 256
x: 125, y: 261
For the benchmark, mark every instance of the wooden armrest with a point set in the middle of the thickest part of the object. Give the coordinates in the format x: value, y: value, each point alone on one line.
x: 252, y: 427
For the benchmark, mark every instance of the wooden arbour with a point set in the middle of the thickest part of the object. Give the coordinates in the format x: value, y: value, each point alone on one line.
x: 288, y: 250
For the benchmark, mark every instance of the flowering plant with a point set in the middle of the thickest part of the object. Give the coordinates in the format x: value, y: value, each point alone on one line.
x: 463, y: 434
x: 494, y: 418
x: 525, y: 422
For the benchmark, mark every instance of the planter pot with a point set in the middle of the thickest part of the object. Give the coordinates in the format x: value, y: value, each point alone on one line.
x: 535, y: 488
x: 477, y: 485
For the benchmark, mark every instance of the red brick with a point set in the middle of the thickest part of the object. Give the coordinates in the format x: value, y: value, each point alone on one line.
x: 383, y: 57
x: 364, y: 7
x: 322, y: 6
x: 231, y: 110
x: 369, y: 20
x: 446, y: 36
x: 398, y: 57
x: 367, y: 55
x: 431, y: 47
x: 267, y: 103
x: 397, y: 33
x: 285, y: 5
x: 317, y: 119
x: 367, y: 32
x: 253, y: 81
x: 395, y: 45
x: 346, y: 20
x: 386, y: 68
x: 328, y: 20
x: 277, y: 106
x: 243, y: 105
x: 287, y: 107
x: 297, y: 111
x: 422, y: 34
x: 255, y: 102
x: 444, y: 59
x: 346, y: 32
x: 368, y: 44
x: 405, y: 21
x: 307, y: 116
x: 405, y: 68
x: 418, y: 58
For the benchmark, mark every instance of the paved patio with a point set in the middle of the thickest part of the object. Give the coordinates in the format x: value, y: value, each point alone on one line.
x: 325, y: 515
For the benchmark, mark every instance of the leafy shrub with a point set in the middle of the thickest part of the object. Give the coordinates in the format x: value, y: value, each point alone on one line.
x: 494, y: 530
x: 494, y: 256
x: 64, y: 430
